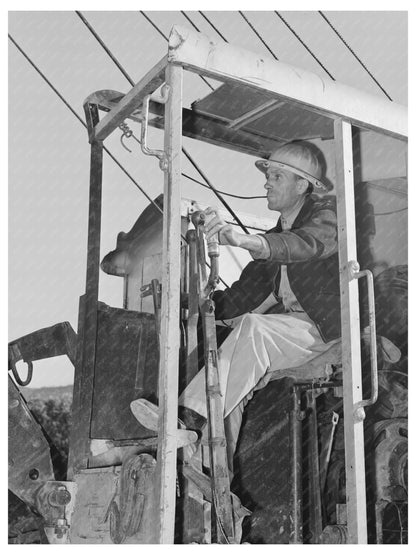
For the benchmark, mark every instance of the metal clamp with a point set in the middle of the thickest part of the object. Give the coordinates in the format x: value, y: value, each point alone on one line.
x: 162, y: 99
x: 355, y: 273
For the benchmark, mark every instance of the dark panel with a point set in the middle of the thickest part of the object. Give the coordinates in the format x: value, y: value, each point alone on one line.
x: 231, y: 101
x: 283, y: 122
x: 126, y: 369
x: 262, y: 465
x: 291, y: 122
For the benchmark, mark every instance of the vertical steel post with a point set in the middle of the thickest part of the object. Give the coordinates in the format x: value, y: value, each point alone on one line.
x: 295, y: 423
x: 170, y: 317
x: 315, y: 505
x: 351, y: 352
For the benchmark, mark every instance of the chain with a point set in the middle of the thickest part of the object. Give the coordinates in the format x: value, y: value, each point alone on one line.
x: 127, y: 133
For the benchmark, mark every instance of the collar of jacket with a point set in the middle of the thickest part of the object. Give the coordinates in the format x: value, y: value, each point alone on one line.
x: 312, y: 202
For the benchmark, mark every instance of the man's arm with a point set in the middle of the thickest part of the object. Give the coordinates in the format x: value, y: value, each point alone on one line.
x: 316, y: 238
x: 227, y: 235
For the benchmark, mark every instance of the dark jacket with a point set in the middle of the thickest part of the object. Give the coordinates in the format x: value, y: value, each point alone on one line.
x: 310, y: 252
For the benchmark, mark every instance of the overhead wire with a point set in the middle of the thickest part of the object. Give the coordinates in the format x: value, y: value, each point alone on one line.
x: 324, y: 68
x: 126, y: 75
x: 55, y: 90
x: 354, y: 54
x: 304, y: 44
x: 101, y: 42
x: 310, y: 51
x: 270, y: 50
x: 258, y: 35
x: 61, y: 97
x: 190, y: 21
x: 213, y: 26
x: 195, y: 165
x: 114, y: 59
x: 162, y: 34
x: 185, y: 152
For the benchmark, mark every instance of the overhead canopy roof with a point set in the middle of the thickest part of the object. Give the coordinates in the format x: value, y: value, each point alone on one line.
x: 310, y: 92
x: 261, y: 114
x: 261, y: 103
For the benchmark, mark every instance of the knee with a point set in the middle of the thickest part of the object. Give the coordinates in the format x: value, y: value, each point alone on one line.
x: 250, y: 324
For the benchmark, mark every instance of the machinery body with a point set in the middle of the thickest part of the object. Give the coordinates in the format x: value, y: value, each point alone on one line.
x: 300, y: 471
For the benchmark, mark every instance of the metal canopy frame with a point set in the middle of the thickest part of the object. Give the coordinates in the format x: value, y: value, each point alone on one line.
x: 195, y: 52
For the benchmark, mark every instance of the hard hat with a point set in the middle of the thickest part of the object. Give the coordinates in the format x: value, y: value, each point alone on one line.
x: 299, y: 159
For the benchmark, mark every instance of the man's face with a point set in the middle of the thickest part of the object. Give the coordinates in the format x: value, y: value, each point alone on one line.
x: 282, y: 189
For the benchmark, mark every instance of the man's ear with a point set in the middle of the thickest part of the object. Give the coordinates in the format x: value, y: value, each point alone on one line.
x: 302, y: 185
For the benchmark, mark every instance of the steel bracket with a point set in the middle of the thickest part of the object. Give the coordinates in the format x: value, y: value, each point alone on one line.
x: 160, y: 154
x: 355, y: 273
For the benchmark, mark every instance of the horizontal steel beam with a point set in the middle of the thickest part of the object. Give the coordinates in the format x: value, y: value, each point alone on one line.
x: 201, y: 54
x: 196, y: 126
x: 204, y: 128
x: 131, y: 101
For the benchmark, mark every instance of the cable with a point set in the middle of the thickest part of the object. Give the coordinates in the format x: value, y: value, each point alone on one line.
x: 132, y: 135
x: 184, y: 175
x: 154, y: 26
x: 304, y: 44
x: 47, y: 80
x: 55, y: 90
x: 354, y: 54
x: 221, y: 192
x: 190, y: 21
x: 120, y: 67
x: 392, y: 212
x: 198, y: 169
x: 107, y: 50
x: 85, y: 126
x: 213, y: 26
x: 258, y: 35
x: 214, y: 190
x: 167, y: 39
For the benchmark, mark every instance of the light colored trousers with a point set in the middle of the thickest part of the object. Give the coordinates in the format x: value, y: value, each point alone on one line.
x: 261, y: 347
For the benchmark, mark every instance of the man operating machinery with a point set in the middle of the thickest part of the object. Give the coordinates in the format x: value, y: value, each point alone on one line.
x: 286, y: 302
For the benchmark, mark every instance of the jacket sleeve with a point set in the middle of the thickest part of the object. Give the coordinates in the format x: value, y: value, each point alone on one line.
x: 252, y: 288
x: 316, y: 238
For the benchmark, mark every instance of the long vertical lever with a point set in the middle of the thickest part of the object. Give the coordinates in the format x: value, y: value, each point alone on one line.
x: 220, y: 484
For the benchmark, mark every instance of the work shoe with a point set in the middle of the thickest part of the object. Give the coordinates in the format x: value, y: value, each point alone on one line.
x: 147, y: 414
x: 191, y: 419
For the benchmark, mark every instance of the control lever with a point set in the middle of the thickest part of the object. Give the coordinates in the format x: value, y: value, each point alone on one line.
x: 334, y: 422
x: 199, y: 219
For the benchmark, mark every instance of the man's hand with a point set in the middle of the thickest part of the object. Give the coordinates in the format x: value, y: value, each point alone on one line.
x: 216, y: 224
x: 255, y: 244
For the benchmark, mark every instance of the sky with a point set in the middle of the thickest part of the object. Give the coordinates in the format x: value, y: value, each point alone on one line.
x: 48, y: 153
